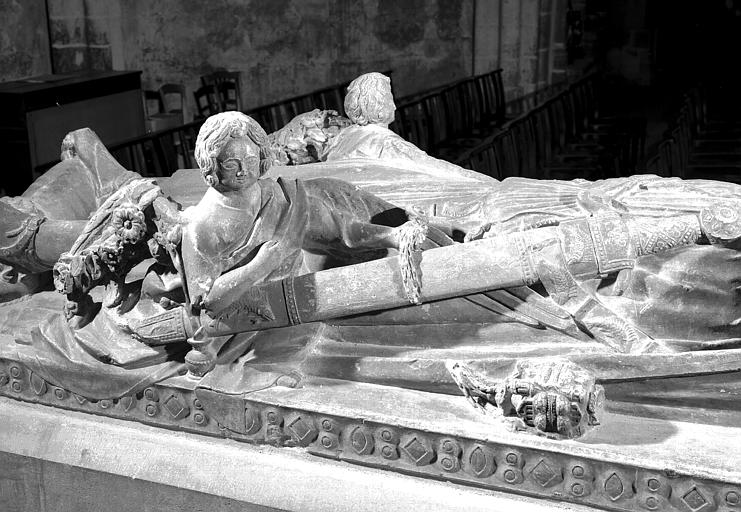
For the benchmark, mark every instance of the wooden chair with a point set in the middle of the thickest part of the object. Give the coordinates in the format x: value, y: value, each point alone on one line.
x: 227, y: 85
x: 414, y: 123
x: 509, y: 155
x: 156, y: 116
x: 178, y: 147
x: 488, y: 103
x: 501, y: 103
x: 542, y: 136
x: 709, y: 139
x: 717, y: 111
x: 206, y: 101
x: 524, y: 138
x: 493, y: 102
x: 272, y: 117
x: 330, y: 98
x: 282, y: 113
x: 667, y: 162
x: 300, y: 104
x: 459, y: 133
x: 565, y: 157
x: 159, y: 153
x: 455, y: 115
x: 434, y: 109
x: 262, y: 116
x: 152, y: 102
x: 687, y: 163
x: 142, y: 155
x: 172, y: 98
x: 472, y: 107
x: 485, y: 158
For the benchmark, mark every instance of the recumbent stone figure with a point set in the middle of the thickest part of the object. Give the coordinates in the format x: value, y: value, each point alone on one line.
x: 571, y: 273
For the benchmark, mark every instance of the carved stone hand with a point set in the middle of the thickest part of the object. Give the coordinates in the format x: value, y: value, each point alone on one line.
x: 228, y: 287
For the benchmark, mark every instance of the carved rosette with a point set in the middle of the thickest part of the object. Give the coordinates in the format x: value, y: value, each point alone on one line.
x: 128, y: 222
x: 329, y: 436
x: 721, y: 222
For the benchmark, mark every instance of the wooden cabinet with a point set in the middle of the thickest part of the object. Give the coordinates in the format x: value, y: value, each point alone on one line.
x: 36, y: 114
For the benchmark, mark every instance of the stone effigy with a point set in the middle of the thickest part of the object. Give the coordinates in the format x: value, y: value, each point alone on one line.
x: 374, y: 264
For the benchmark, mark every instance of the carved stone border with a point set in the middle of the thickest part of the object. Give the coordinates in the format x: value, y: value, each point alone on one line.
x: 490, y: 465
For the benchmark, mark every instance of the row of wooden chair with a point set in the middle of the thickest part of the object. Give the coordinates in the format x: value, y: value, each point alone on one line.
x: 448, y: 120
x: 164, y: 108
x: 220, y: 91
x: 159, y: 153
x: 564, y: 135
x: 168, y: 99
x: 698, y: 146
x: 441, y: 121
x: 562, y: 138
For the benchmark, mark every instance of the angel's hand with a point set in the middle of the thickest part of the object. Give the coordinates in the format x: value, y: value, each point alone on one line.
x: 478, y: 233
x: 410, y: 235
x: 228, y: 286
x: 268, y: 251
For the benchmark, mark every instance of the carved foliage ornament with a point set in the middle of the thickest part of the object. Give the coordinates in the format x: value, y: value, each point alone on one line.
x: 114, y: 239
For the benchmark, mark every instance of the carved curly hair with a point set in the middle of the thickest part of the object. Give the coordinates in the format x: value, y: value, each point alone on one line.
x: 215, y: 134
x: 367, y: 100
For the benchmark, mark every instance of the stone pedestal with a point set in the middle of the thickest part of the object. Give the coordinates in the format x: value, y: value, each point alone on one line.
x: 53, y: 460
x: 324, y: 448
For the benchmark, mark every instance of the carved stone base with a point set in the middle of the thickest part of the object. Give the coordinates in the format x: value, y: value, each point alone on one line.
x: 626, y: 464
x: 76, y: 461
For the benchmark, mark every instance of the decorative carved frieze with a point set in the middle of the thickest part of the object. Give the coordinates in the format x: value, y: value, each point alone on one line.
x: 482, y: 463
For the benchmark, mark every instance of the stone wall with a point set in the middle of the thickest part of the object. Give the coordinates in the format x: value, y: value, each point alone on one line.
x: 526, y: 38
x: 289, y: 47
x: 85, y: 34
x: 24, y: 45
x: 282, y: 47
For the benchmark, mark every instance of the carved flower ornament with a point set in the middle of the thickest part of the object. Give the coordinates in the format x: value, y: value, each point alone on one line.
x: 128, y: 221
x: 73, y: 273
x: 110, y: 254
x: 722, y: 221
x: 62, y: 278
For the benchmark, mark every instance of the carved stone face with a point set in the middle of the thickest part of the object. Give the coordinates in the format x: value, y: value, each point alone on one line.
x: 239, y: 164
